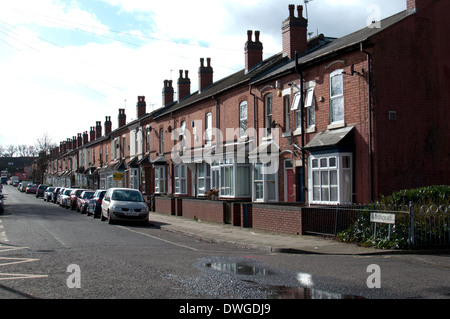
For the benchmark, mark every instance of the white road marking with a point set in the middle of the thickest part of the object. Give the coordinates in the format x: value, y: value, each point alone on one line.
x: 164, y: 240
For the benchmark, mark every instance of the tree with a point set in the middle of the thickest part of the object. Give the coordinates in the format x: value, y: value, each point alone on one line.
x: 43, y: 147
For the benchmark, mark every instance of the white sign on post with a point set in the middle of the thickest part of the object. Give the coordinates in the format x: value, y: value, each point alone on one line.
x: 382, y: 218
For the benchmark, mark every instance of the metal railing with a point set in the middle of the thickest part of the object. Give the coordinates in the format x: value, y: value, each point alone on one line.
x: 377, y: 224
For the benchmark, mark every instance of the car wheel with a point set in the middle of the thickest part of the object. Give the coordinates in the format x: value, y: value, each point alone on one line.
x: 110, y: 220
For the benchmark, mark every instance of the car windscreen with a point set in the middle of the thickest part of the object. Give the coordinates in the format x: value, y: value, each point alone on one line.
x: 127, y: 195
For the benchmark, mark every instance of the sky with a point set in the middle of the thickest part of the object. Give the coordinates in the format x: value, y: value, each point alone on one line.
x: 64, y: 65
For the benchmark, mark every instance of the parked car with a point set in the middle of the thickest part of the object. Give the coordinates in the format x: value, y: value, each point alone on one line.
x: 48, y: 193
x: 40, y: 190
x: 83, y: 201
x: 23, y: 186
x: 95, y: 203
x: 31, y: 189
x: 55, y: 194
x: 65, y: 197
x: 2, y: 207
x: 58, y: 197
x: 124, y: 204
x: 72, y: 203
x: 15, y: 183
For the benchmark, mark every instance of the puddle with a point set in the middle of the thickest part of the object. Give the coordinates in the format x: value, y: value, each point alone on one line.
x: 306, y: 293
x: 239, y: 268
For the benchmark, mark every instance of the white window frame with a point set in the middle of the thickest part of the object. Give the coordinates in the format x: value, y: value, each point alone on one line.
x: 208, y: 129
x: 329, y: 174
x: 287, y: 115
x: 180, y: 178
x: 268, y: 113
x: 337, y: 97
x: 310, y: 105
x: 160, y: 179
x: 203, y: 178
x: 243, y: 119
x: 161, y: 141
x: 265, y: 179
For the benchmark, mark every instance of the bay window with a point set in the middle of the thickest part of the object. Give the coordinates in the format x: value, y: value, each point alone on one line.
x: 203, y: 178
x: 160, y: 173
x: 330, y: 178
x: 180, y: 179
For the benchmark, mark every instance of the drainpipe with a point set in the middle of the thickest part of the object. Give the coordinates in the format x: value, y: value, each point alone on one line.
x: 369, y: 111
x: 302, y: 106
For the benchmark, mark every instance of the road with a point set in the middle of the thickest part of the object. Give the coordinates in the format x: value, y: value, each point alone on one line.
x: 48, y: 252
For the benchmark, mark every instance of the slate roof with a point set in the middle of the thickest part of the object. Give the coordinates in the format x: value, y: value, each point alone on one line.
x: 346, y: 42
x: 278, y: 64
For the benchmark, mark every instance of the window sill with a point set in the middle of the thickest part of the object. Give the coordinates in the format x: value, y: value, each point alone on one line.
x: 311, y: 129
x: 336, y: 125
x: 297, y: 132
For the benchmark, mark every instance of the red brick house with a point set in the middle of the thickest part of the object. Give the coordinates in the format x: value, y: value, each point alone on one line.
x: 325, y: 121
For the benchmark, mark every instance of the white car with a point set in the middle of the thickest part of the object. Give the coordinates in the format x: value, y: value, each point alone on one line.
x: 124, y: 204
x: 64, y: 196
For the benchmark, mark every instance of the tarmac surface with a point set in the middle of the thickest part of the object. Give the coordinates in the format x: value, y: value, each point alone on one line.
x: 257, y: 239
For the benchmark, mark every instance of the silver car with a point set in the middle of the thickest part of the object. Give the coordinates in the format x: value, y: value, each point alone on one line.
x: 124, y: 204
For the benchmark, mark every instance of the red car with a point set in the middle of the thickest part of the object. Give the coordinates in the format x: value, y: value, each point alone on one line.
x: 83, y: 201
x: 74, y: 194
x: 31, y: 189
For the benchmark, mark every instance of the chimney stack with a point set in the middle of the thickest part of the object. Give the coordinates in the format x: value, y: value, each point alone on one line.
x: 79, y: 140
x: 184, y: 85
x: 108, y: 125
x: 205, y: 74
x: 253, y: 51
x: 167, y: 93
x: 85, y: 137
x: 412, y: 6
x: 295, y: 33
x: 92, y: 134
x: 98, y: 129
x: 141, y: 107
x: 122, y: 118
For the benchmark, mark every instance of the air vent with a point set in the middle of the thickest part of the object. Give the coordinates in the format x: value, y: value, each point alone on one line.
x: 392, y: 115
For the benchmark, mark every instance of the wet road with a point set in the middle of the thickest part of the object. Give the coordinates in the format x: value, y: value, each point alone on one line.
x: 50, y: 252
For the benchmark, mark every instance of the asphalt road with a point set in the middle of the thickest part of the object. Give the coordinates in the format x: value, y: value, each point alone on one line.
x: 48, y: 252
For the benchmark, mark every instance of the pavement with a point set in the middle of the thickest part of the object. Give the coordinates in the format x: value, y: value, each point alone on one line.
x: 257, y: 239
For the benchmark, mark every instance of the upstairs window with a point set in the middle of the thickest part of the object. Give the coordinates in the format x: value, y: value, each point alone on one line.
x: 208, y: 129
x: 268, y: 109
x: 336, y: 97
x: 243, y: 119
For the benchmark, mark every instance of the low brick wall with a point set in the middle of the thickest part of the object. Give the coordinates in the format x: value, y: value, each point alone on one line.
x: 277, y: 218
x: 164, y: 205
x: 207, y: 210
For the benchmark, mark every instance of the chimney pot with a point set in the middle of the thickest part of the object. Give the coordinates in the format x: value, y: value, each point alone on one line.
x: 184, y: 85
x: 253, y: 51
x: 167, y: 93
x: 294, y: 32
x: 205, y: 74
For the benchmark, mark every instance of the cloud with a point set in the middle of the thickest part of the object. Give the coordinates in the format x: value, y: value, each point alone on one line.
x: 61, y: 87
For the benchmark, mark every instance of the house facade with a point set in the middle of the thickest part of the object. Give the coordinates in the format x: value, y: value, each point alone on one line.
x: 325, y: 121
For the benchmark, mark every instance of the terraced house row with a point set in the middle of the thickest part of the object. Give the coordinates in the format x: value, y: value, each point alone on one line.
x: 325, y: 121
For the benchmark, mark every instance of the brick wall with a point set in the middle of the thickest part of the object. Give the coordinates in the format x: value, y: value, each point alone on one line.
x: 277, y: 218
x: 206, y: 210
x: 165, y: 205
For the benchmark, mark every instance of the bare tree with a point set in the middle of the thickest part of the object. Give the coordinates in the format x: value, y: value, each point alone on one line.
x: 43, y: 148
x: 10, y: 150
